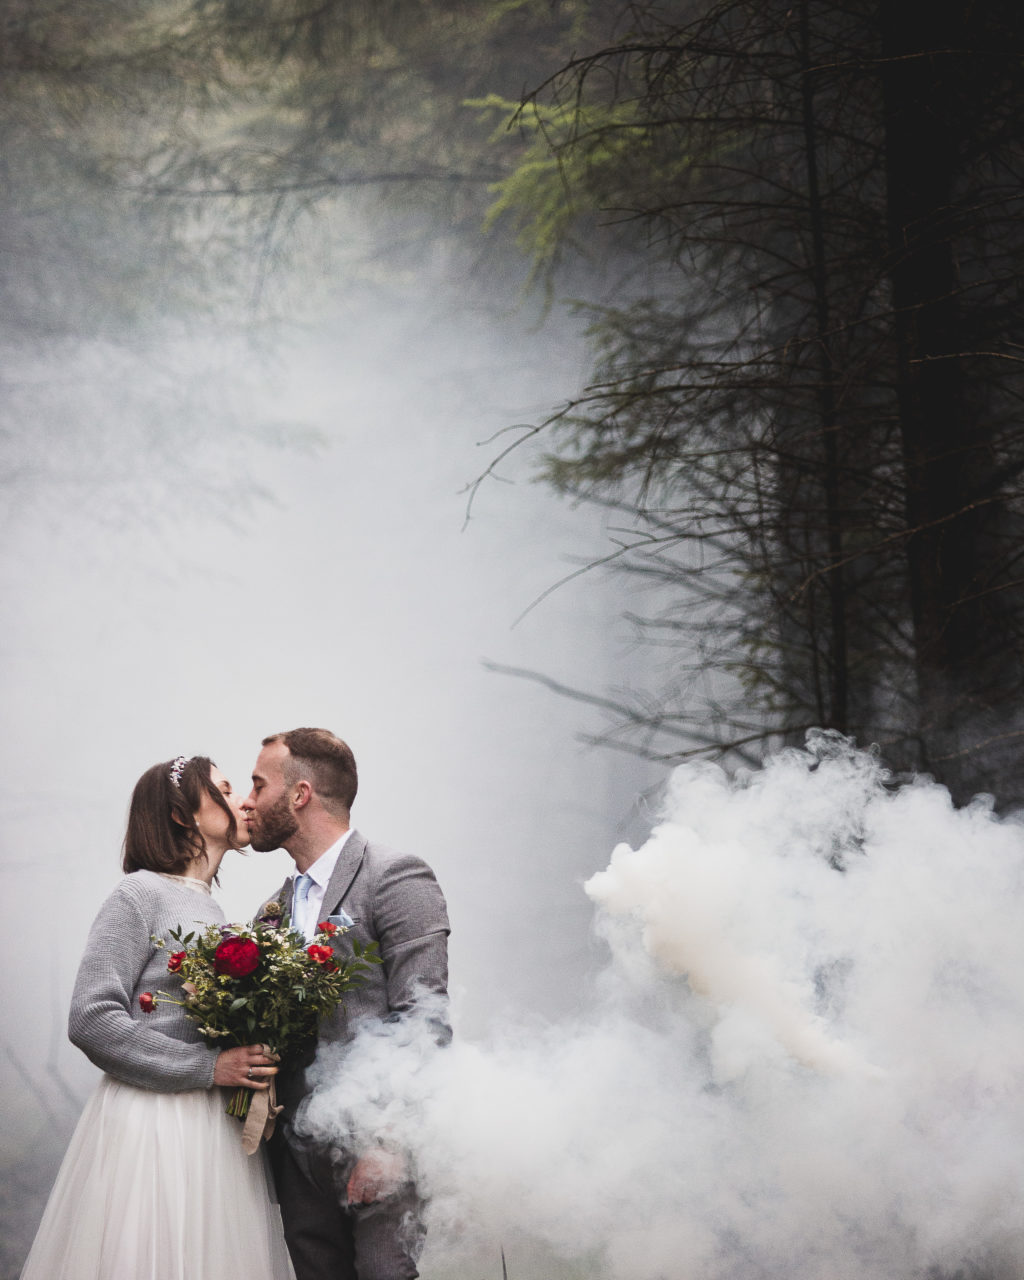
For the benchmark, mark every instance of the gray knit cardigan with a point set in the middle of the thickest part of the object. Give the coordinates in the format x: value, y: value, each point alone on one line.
x: 159, y: 1050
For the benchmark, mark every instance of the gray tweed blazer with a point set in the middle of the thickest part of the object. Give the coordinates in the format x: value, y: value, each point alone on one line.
x: 394, y: 900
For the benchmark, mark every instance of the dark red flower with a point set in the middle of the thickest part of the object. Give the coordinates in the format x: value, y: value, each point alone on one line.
x: 325, y: 926
x: 237, y: 957
x: 322, y: 955
x: 174, y: 961
x: 146, y: 1002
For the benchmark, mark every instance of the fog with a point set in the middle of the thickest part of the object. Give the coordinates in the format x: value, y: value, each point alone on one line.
x: 758, y: 1026
x: 180, y: 585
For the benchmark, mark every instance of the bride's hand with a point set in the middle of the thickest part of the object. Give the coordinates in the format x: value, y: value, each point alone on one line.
x: 249, y: 1064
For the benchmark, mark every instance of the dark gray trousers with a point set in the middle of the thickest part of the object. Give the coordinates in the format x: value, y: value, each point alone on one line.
x: 330, y: 1240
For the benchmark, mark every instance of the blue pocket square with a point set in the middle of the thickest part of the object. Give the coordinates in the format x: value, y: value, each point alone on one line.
x: 342, y: 920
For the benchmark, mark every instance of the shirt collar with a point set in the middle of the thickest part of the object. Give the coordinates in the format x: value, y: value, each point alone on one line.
x: 321, y: 870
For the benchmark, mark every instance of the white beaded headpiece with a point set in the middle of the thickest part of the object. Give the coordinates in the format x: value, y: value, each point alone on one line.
x: 177, y: 768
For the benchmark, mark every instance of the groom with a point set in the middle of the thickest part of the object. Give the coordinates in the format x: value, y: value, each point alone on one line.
x: 348, y: 1215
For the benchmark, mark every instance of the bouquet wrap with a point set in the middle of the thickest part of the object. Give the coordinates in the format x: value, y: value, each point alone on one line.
x: 264, y: 1109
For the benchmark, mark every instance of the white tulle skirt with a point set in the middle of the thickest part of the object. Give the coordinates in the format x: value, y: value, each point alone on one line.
x: 156, y: 1186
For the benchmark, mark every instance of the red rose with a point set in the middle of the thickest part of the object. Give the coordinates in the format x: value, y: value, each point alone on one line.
x: 146, y: 1002
x: 174, y: 961
x: 236, y: 957
x: 325, y: 926
x: 322, y: 955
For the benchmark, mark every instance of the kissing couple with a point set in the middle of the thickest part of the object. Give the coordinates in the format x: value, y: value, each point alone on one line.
x: 155, y: 1184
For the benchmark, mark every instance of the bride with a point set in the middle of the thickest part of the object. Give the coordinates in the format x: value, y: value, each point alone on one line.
x: 155, y: 1184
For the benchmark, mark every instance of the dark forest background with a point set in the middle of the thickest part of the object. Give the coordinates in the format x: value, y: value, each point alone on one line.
x: 794, y: 231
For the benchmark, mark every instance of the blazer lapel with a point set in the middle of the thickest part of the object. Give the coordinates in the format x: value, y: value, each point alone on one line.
x: 349, y: 861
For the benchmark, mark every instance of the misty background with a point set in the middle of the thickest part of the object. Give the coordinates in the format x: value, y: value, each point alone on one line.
x: 280, y: 285
x: 249, y: 586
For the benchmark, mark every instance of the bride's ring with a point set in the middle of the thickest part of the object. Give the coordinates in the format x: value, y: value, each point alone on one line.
x: 249, y: 1073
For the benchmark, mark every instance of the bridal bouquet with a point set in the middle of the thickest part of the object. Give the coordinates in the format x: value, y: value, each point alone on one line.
x: 261, y: 983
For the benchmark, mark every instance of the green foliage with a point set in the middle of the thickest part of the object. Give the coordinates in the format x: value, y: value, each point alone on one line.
x: 574, y: 162
x: 805, y: 405
x: 282, y: 999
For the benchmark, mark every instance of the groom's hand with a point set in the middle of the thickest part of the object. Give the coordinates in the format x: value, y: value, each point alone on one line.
x: 376, y: 1175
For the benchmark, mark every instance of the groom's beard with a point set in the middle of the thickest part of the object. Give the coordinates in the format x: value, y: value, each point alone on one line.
x: 272, y: 828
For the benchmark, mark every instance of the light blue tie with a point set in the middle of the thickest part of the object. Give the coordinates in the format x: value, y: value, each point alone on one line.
x: 300, y: 893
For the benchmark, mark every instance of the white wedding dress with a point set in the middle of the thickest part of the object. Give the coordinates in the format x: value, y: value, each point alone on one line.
x: 155, y: 1184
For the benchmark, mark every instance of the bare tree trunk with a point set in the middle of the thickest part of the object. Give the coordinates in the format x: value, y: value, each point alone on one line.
x: 952, y: 470
x: 838, y: 717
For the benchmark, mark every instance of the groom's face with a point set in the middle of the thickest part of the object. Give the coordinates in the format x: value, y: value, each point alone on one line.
x: 268, y: 808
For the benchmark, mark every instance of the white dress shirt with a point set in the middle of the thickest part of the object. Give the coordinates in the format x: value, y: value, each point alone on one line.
x: 320, y: 873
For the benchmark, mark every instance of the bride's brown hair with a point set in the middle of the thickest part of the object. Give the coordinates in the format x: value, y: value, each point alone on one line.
x: 162, y: 834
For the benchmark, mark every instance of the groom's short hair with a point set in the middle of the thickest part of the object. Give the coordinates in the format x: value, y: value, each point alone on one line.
x: 321, y: 758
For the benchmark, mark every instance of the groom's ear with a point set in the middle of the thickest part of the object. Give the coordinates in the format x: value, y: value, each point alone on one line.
x: 303, y: 794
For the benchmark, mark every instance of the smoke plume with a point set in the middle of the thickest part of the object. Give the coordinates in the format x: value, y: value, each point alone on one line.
x: 805, y: 1058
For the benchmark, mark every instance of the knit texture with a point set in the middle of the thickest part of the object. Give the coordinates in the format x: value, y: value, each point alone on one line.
x: 161, y: 1050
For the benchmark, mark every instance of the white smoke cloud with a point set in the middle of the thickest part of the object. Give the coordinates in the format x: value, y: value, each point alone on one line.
x: 806, y: 1058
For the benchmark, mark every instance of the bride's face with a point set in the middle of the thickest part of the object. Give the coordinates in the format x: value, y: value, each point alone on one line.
x: 212, y: 821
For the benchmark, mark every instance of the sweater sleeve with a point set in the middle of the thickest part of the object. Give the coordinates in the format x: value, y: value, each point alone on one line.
x: 105, y: 1021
